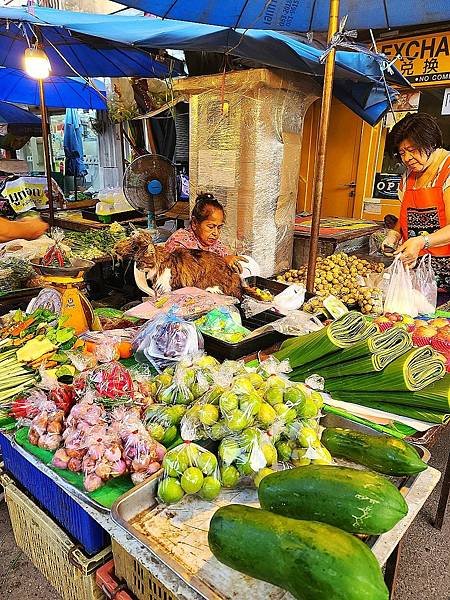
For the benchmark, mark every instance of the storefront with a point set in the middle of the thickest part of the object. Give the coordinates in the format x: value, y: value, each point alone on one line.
x: 361, y: 178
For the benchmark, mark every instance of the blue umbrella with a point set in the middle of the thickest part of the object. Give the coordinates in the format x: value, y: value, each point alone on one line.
x: 297, y: 15
x: 60, y: 92
x: 14, y: 115
x: 70, y: 53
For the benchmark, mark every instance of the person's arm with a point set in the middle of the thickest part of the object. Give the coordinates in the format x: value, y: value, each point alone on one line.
x: 29, y: 229
x: 411, y: 248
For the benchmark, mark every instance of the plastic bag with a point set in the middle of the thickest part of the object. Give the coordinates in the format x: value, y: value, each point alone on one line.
x: 47, y: 426
x: 300, y: 444
x: 166, y: 340
x: 223, y: 323
x: 425, y: 286
x: 189, y: 469
x: 245, y: 455
x: 400, y: 297
x: 111, y: 381
x: 162, y: 422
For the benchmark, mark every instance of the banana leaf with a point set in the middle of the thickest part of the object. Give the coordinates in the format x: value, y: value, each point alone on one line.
x: 424, y: 399
x: 413, y: 371
x: 390, y: 430
x: 413, y: 412
x: 366, y: 356
x: 342, y: 333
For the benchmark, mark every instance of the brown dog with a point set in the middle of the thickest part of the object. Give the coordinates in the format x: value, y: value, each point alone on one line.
x: 182, y: 268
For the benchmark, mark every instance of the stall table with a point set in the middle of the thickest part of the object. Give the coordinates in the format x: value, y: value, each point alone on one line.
x: 384, y: 546
x: 336, y: 234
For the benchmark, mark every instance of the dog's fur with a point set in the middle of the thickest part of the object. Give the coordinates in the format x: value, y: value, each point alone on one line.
x: 182, y: 268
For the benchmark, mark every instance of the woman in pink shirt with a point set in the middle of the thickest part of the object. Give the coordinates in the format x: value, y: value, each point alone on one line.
x: 203, y: 233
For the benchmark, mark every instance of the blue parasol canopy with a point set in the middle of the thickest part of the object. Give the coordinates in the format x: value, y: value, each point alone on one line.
x: 71, y: 53
x: 297, y: 15
x: 60, y: 92
x: 10, y: 114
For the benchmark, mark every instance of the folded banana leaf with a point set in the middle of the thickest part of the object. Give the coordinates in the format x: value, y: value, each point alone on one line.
x: 382, y: 349
x: 412, y: 372
x: 366, y: 356
x: 342, y: 333
x: 413, y: 412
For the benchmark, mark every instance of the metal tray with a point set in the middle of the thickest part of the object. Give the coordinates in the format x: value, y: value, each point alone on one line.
x: 177, y: 535
x: 78, y: 266
x: 178, y: 538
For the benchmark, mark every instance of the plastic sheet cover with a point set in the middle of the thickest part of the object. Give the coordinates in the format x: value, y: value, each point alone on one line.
x: 245, y: 141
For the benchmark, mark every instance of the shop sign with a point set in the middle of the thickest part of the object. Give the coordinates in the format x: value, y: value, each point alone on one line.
x: 424, y: 59
x: 446, y: 102
x: 386, y: 185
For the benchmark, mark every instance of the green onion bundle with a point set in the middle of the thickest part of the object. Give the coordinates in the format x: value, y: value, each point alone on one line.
x: 413, y: 371
x: 343, y: 333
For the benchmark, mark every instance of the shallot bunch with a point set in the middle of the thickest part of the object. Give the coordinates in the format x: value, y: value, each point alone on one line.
x: 142, y: 454
x: 47, y: 426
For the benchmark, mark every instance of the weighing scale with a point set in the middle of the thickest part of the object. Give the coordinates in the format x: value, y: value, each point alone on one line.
x: 74, y: 305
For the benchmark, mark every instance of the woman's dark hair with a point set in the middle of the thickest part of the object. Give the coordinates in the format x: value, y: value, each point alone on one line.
x: 204, y: 205
x: 421, y: 128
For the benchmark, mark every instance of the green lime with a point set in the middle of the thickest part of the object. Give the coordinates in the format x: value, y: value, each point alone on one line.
x: 208, y: 414
x: 173, y: 464
x: 274, y: 395
x: 294, y: 397
x: 219, y: 430
x: 210, y: 489
x: 170, y: 435
x: 323, y: 458
x: 266, y: 415
x: 242, y: 385
x: 308, y: 409
x: 261, y: 474
x: 318, y: 400
x: 284, y: 451
x: 256, y: 380
x: 270, y: 453
x: 228, y: 402
x: 299, y: 458
x: 192, y: 480
x: 174, y: 414
x: 250, y: 404
x: 170, y: 490
x: 245, y: 468
x: 207, y: 462
x: 157, y: 431
x: 237, y: 420
x: 229, y: 476
x: 307, y: 437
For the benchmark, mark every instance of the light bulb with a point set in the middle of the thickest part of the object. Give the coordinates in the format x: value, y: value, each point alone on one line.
x: 36, y: 63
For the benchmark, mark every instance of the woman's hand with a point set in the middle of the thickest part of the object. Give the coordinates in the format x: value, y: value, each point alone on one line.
x: 410, y: 250
x: 390, y: 242
x: 234, y: 262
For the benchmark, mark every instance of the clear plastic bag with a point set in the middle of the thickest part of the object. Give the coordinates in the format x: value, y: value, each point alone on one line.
x: 223, y: 323
x: 400, y: 297
x: 245, y: 455
x: 425, y: 286
x: 167, y: 339
x: 189, y: 469
x: 300, y: 444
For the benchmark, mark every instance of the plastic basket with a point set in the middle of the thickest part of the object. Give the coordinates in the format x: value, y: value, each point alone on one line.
x: 110, y: 586
x: 54, y: 500
x: 140, y: 581
x: 62, y: 563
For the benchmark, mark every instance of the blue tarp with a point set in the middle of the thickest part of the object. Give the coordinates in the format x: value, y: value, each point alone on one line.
x: 298, y: 15
x: 14, y: 115
x: 70, y: 53
x: 60, y: 92
x: 73, y: 144
x: 264, y: 47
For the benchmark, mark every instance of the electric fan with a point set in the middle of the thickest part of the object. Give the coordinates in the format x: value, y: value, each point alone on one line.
x: 149, y: 185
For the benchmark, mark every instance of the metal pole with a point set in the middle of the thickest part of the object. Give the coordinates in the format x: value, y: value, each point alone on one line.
x: 48, y: 166
x: 319, y: 171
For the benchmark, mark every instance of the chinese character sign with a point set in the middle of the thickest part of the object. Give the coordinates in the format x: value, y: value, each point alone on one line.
x: 423, y: 59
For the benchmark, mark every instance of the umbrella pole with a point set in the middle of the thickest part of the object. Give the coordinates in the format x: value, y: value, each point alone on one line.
x: 319, y: 171
x: 48, y: 167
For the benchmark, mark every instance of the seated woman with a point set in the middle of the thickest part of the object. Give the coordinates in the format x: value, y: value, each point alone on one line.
x: 203, y: 233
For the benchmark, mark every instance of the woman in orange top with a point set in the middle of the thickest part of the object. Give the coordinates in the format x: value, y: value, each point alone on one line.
x: 424, y: 225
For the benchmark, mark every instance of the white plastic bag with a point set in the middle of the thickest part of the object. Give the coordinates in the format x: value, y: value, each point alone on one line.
x: 400, y: 297
x: 425, y: 286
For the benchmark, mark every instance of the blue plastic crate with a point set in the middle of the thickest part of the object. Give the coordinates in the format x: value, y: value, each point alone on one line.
x: 52, y: 498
